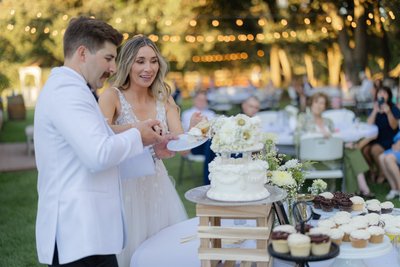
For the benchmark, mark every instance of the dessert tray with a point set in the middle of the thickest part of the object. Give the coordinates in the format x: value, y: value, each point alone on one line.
x: 199, y: 195
x: 353, y: 257
x: 328, y: 214
x: 303, y: 261
x: 185, y: 142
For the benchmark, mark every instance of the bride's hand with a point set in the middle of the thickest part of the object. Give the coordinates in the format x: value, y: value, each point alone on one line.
x: 161, y: 150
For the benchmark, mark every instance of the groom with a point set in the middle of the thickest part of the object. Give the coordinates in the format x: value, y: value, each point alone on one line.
x: 80, y: 220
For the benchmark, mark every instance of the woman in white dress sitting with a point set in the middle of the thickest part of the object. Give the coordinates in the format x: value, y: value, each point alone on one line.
x: 140, y: 93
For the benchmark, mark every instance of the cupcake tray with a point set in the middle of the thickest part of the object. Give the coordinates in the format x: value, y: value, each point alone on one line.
x: 303, y: 261
x: 328, y: 214
x: 370, y: 251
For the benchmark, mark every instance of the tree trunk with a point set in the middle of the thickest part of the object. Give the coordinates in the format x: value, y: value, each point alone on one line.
x: 348, y: 58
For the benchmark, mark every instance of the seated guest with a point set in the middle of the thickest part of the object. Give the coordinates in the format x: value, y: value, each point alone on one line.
x: 389, y: 163
x: 200, y: 104
x: 355, y: 164
x: 250, y: 106
x: 385, y: 115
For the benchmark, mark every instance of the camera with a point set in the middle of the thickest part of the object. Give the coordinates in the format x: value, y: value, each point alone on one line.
x: 381, y: 100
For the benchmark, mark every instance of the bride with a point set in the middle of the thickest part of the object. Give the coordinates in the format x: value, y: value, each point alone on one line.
x: 140, y: 93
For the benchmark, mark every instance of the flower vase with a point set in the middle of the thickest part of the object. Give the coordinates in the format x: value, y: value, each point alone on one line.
x: 290, y: 203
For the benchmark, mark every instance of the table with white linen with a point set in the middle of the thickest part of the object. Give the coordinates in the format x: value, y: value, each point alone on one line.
x: 351, y: 133
x: 165, y: 249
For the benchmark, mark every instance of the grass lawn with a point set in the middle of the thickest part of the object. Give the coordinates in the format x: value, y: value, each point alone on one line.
x: 18, y: 200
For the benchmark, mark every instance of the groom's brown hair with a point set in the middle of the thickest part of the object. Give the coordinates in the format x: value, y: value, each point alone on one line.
x: 91, y: 33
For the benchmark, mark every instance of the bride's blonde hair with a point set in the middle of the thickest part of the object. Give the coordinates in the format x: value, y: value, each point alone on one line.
x: 159, y: 88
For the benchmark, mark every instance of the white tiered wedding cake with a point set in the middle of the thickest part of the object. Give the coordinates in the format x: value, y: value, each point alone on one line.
x: 237, y: 179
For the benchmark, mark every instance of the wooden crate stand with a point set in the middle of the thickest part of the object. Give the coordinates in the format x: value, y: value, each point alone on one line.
x: 211, y: 234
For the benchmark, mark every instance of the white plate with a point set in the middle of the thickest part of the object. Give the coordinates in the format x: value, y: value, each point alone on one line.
x: 185, y: 142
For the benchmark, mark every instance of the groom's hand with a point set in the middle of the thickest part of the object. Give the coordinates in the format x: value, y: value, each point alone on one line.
x: 161, y: 149
x: 149, y: 135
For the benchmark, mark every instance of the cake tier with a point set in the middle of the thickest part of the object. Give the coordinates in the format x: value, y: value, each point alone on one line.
x: 237, y: 179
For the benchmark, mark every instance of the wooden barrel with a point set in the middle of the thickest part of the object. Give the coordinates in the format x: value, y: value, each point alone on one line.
x: 16, y: 107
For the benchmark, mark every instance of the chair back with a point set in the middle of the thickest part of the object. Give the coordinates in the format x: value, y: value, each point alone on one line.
x: 340, y: 117
x: 320, y: 148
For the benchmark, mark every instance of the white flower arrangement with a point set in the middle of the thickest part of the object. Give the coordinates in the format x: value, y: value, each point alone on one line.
x: 318, y: 186
x: 234, y: 134
x: 282, y: 179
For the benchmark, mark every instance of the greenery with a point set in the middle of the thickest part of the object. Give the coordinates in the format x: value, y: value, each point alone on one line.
x: 18, y: 200
x: 328, y: 35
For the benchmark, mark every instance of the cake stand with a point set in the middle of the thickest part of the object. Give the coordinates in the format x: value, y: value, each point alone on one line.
x: 303, y: 261
x: 198, y: 195
x: 354, y: 257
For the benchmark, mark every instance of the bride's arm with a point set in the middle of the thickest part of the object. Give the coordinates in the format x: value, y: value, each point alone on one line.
x: 109, y: 106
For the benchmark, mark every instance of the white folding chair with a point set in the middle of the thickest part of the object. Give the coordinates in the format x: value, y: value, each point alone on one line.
x: 322, y: 149
x: 340, y: 117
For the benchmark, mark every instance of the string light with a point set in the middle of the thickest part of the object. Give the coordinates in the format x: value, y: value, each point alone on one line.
x: 143, y: 21
x: 307, y: 21
x: 193, y: 23
x: 328, y: 19
x: 261, y: 22
x: 118, y: 20
x: 349, y: 18
x: 65, y: 17
x: 39, y: 14
x: 215, y: 23
x: 168, y: 22
x: 284, y: 22
x: 239, y: 22
x: 10, y: 27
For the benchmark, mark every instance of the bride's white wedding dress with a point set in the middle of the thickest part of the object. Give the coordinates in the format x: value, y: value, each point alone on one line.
x: 151, y: 202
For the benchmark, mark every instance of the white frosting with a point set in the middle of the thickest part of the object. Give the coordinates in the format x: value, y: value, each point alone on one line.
x: 385, y: 217
x: 375, y: 230
x: 326, y: 223
x: 360, y: 234
x: 320, y: 230
x: 392, y: 230
x: 373, y: 218
x: 392, y: 222
x: 370, y: 201
x: 298, y: 239
x: 387, y: 205
x: 327, y: 195
x: 336, y: 233
x: 288, y: 228
x: 374, y: 207
x: 195, y: 132
x: 347, y: 228
x: 240, y: 179
x: 343, y: 214
x: 341, y: 220
x: 357, y: 200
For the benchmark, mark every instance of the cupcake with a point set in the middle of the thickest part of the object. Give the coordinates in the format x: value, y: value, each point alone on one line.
x: 326, y: 195
x: 376, y: 233
x: 340, y: 220
x: 392, y: 232
x: 336, y: 236
x: 317, y: 201
x: 359, y: 238
x: 299, y: 245
x: 343, y: 214
x: 370, y: 201
x: 386, y: 207
x: 374, y: 208
x: 279, y: 237
x: 307, y: 228
x: 326, y: 223
x: 319, y: 230
x: 346, y: 204
x: 373, y: 219
x: 327, y: 205
x: 347, y: 229
x: 320, y: 244
x: 358, y: 203
x: 359, y: 222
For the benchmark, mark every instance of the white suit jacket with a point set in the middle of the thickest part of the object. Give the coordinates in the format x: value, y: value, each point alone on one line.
x: 80, y: 204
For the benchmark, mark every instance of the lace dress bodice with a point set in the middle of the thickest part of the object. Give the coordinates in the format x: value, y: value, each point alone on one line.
x: 128, y: 116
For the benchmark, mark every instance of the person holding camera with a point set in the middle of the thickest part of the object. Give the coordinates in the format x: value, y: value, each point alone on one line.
x: 385, y: 115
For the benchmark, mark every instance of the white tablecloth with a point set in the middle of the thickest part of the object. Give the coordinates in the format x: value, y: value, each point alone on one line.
x: 351, y: 133
x: 166, y: 250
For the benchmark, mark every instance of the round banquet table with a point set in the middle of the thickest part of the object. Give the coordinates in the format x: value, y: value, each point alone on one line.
x: 177, y: 246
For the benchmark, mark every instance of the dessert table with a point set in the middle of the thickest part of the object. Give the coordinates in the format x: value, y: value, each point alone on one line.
x: 177, y: 246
